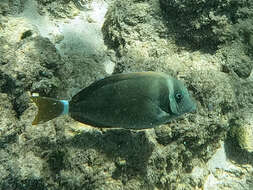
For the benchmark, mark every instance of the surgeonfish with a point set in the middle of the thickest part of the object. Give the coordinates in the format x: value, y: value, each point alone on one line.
x: 132, y: 101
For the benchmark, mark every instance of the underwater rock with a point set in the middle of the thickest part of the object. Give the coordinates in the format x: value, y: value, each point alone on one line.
x: 61, y: 154
x: 30, y: 166
x: 58, y: 9
x: 243, y: 133
x: 13, y: 7
x: 29, y: 62
x: 134, y: 29
x: 163, y: 135
x: 130, y: 24
x: 8, y: 121
x: 217, y: 94
x: 236, y: 59
x: 4, y: 8
x: 245, y: 137
x: 224, y: 173
x: 208, y: 23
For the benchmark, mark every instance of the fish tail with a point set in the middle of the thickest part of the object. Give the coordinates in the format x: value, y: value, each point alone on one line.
x: 49, y: 108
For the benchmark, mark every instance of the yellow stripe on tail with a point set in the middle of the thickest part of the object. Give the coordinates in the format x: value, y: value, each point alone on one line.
x: 48, y: 108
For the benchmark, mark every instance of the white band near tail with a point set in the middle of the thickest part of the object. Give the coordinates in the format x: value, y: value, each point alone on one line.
x: 65, y: 106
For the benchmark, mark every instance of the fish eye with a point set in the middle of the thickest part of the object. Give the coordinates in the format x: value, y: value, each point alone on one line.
x: 178, y: 97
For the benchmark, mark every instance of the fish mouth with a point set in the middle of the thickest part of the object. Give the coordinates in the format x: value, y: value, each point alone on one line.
x: 192, y: 108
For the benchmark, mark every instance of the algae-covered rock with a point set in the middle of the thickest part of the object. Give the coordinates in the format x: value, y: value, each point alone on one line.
x: 245, y: 137
x: 136, y: 24
x: 215, y: 98
x: 58, y: 9
x: 28, y: 63
x: 13, y: 7
x: 4, y: 6
x: 242, y: 132
x: 64, y: 154
x: 236, y: 60
x: 8, y: 121
x: 207, y: 23
x: 144, y: 38
x: 194, y: 139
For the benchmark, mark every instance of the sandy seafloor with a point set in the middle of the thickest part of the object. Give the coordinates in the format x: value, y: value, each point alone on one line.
x: 56, y: 48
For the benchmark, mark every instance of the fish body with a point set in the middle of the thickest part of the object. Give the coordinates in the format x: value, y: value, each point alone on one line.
x: 131, y: 101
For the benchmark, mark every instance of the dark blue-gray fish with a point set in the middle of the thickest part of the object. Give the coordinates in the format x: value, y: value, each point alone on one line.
x: 132, y: 101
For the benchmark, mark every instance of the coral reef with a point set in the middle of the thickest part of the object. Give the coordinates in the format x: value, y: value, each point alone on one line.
x: 29, y: 63
x: 244, y: 135
x: 206, y: 22
x: 57, y: 57
x: 58, y: 9
x: 241, y: 65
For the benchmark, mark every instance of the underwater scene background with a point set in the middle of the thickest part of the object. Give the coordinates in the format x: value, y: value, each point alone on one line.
x: 56, y: 48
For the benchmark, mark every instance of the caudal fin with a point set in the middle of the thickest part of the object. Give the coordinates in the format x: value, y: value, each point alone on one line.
x: 48, y: 108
